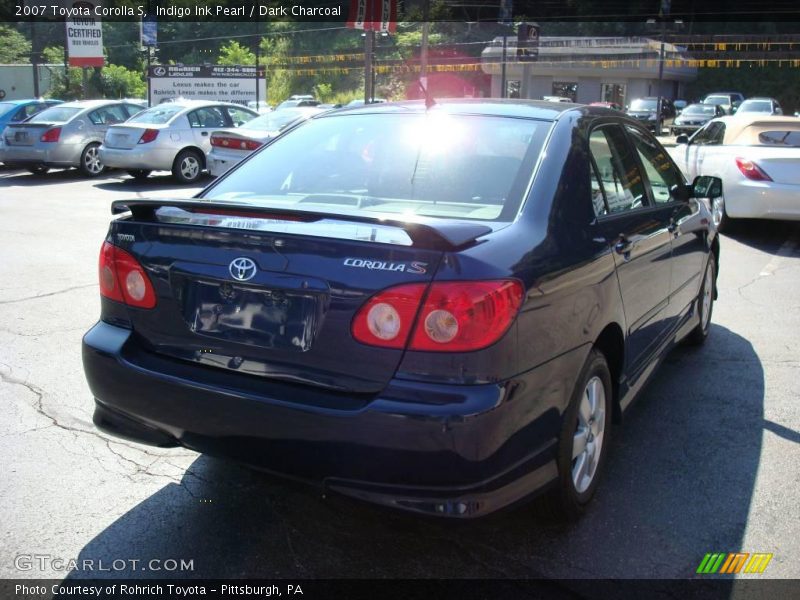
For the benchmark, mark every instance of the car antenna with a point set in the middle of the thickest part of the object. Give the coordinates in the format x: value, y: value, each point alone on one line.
x: 429, y: 100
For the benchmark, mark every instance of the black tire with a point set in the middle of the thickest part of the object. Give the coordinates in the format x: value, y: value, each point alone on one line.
x: 38, y: 170
x: 565, y: 501
x: 699, y: 334
x: 139, y: 173
x: 90, y: 162
x: 183, y: 169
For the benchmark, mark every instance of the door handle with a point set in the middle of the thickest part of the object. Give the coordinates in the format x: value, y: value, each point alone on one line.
x: 203, y: 133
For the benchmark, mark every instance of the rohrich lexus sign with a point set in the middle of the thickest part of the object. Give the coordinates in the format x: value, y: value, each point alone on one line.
x: 208, y: 82
x: 84, y: 34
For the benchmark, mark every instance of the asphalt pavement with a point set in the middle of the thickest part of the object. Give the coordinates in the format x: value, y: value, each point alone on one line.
x: 705, y: 461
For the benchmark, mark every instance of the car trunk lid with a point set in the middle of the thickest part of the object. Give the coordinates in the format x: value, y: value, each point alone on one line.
x: 25, y: 134
x: 273, y: 293
x: 125, y: 137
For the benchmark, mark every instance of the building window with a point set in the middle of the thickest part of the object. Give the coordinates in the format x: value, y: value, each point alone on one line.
x: 613, y: 92
x: 513, y: 88
x: 566, y: 89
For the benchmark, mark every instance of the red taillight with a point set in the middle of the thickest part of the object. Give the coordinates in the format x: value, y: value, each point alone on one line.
x: 386, y: 319
x: 455, y: 317
x: 123, y: 279
x: 751, y: 170
x: 148, y: 136
x: 235, y: 143
x: 51, y: 135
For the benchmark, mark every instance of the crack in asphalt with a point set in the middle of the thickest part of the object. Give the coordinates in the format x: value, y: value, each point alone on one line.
x: 139, y: 468
x: 48, y: 294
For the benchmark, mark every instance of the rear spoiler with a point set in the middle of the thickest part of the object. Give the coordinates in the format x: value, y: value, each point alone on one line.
x: 437, y: 236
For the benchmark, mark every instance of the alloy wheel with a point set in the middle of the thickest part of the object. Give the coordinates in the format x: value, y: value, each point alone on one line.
x: 587, y: 442
x: 91, y: 160
x: 190, y: 167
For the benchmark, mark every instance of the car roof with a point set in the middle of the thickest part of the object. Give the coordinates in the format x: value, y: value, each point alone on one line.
x: 87, y: 103
x: 761, y: 99
x: 739, y: 127
x: 532, y: 109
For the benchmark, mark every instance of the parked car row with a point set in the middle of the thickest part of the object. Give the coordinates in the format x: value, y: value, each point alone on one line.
x: 176, y: 136
x: 67, y: 135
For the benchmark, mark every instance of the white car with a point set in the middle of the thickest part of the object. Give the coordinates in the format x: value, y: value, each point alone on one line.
x: 758, y: 159
x: 174, y: 136
x: 231, y: 146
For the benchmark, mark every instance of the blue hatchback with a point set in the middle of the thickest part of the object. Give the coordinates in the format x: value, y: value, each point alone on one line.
x: 440, y: 309
x: 16, y: 111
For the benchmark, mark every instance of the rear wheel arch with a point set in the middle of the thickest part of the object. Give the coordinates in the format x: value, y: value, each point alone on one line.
x: 611, y: 343
x: 195, y: 149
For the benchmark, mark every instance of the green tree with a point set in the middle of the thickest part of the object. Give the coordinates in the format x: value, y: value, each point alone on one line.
x: 15, y: 47
x: 234, y: 53
x: 118, y: 82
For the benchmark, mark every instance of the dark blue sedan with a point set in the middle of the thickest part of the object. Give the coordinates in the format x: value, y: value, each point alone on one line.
x: 438, y: 309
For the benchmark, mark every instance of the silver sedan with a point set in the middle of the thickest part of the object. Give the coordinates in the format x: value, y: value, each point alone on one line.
x: 174, y: 136
x: 66, y: 135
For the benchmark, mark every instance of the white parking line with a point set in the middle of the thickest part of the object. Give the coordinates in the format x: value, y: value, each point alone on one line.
x: 787, y: 249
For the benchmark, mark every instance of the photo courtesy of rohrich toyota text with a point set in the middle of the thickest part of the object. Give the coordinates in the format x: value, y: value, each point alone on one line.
x: 392, y: 299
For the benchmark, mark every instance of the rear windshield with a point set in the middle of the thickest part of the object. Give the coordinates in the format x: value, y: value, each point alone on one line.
x: 717, y: 100
x: 643, y: 105
x: 433, y: 165
x: 57, y: 114
x: 157, y: 115
x: 764, y: 106
x: 699, y: 109
x: 780, y: 138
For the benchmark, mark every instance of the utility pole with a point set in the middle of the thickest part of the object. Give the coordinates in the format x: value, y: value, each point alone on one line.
x: 369, y: 44
x: 503, y: 91
x: 423, y: 56
x: 660, y: 76
x: 34, y: 59
x: 258, y: 60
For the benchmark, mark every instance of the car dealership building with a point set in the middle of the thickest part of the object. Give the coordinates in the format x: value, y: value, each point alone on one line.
x: 590, y: 69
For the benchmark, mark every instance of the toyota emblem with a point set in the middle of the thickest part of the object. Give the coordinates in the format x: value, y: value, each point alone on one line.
x: 242, y: 269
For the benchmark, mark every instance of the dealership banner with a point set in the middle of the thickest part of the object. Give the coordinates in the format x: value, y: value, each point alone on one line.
x: 84, y: 33
x: 218, y: 83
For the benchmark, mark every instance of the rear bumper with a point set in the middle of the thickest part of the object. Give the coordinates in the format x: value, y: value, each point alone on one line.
x: 762, y: 200
x: 218, y: 163
x: 144, y: 157
x: 457, y: 451
x: 51, y: 155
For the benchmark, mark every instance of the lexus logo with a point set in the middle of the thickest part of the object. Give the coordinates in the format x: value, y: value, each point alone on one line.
x: 242, y: 269
x: 159, y: 71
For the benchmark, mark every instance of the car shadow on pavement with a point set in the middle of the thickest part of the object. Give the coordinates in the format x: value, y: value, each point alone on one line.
x: 161, y: 181
x: 678, y: 484
x: 55, y: 177
x: 763, y: 234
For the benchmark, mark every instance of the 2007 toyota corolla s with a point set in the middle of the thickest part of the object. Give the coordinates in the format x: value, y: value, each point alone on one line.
x: 438, y: 309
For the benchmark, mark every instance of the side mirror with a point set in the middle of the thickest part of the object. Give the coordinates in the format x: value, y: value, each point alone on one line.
x: 682, y: 139
x: 705, y: 186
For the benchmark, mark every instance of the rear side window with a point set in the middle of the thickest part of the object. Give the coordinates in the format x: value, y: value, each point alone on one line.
x: 207, y: 117
x: 618, y: 173
x: 660, y: 171
x: 780, y: 138
x: 433, y: 164
x: 108, y: 115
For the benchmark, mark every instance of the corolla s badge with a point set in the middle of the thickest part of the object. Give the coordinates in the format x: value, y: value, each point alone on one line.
x: 242, y: 268
x: 415, y: 267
